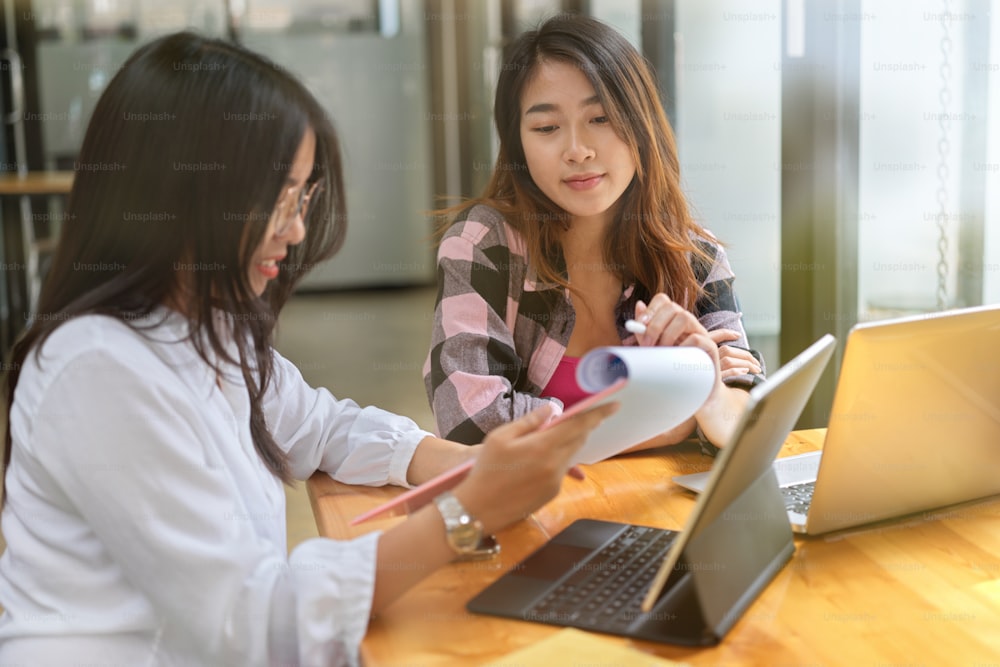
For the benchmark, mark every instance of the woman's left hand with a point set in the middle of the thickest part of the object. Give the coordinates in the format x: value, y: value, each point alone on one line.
x: 733, y: 361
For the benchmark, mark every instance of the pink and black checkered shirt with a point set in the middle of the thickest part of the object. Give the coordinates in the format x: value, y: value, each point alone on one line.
x: 499, y: 332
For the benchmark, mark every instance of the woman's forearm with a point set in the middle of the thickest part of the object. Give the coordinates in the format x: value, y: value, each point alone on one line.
x: 407, y: 553
x: 433, y: 456
x: 720, y: 414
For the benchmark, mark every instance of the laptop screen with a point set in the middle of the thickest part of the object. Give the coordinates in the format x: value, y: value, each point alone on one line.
x: 915, y: 420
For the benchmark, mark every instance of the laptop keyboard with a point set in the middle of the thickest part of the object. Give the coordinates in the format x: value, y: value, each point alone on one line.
x: 798, y: 496
x: 605, y: 591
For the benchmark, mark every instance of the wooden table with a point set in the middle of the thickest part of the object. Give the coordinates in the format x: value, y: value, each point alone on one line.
x: 923, y: 590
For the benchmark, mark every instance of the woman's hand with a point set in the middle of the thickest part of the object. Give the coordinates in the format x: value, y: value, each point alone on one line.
x: 520, y: 468
x: 733, y: 361
x: 667, y: 323
x: 670, y: 324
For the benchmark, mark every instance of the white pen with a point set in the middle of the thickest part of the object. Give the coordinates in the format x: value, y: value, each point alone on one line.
x: 637, y: 328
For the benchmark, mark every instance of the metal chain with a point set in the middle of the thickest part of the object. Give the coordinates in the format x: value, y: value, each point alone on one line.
x: 944, y: 147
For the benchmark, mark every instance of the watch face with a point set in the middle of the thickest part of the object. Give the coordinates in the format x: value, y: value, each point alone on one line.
x: 466, y: 535
x: 463, y: 531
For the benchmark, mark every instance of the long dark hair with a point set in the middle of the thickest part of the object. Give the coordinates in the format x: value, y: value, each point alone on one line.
x: 185, y: 157
x: 653, y: 238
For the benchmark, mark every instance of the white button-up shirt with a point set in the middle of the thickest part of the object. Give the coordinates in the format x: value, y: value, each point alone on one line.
x: 142, y: 526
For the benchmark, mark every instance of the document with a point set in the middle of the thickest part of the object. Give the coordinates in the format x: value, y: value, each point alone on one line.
x: 658, y: 388
x: 663, y: 387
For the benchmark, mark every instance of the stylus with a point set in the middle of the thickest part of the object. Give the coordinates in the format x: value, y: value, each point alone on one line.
x: 637, y: 328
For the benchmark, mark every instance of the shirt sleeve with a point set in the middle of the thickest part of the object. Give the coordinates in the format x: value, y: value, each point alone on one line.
x: 353, y: 444
x: 718, y: 308
x: 131, y: 452
x: 473, y: 367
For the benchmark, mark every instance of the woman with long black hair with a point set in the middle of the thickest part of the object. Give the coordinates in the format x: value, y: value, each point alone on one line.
x: 151, y: 424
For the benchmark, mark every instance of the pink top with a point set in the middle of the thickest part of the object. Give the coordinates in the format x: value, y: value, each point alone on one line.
x: 563, y: 383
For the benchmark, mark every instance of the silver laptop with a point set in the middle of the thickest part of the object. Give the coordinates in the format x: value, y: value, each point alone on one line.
x: 914, y: 426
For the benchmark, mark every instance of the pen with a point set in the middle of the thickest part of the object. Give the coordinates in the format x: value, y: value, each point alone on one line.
x: 635, y: 327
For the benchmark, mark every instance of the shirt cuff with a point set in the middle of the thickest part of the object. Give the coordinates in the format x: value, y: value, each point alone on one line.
x: 402, y: 454
x: 747, y: 381
x: 707, y: 448
x: 334, y: 582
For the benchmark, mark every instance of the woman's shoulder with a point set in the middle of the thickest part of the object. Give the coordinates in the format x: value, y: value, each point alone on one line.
x: 78, y: 356
x: 88, y: 333
x: 108, y: 344
x: 705, y: 240
x: 711, y: 262
x: 483, y: 225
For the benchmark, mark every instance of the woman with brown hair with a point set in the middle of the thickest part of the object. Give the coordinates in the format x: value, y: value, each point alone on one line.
x: 583, y: 227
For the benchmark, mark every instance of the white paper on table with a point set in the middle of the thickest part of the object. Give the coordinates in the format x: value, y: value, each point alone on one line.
x: 664, y: 387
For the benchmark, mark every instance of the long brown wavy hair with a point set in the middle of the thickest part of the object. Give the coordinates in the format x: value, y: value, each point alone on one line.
x: 652, y: 241
x: 202, y: 133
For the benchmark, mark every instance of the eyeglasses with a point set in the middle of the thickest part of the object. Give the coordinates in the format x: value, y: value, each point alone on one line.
x: 292, y: 206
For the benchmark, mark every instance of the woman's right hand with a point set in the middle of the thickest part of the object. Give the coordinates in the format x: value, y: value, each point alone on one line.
x: 518, y: 469
x: 521, y: 466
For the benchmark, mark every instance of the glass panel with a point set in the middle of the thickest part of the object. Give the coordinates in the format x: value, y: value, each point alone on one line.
x: 80, y: 47
x: 991, y: 230
x: 296, y: 16
x: 376, y: 91
x: 529, y: 13
x: 624, y: 15
x: 919, y: 86
x: 729, y: 136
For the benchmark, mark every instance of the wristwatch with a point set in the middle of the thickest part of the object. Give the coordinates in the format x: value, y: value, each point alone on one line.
x: 463, y: 531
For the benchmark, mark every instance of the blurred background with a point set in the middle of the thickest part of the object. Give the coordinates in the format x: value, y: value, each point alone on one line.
x: 846, y: 151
